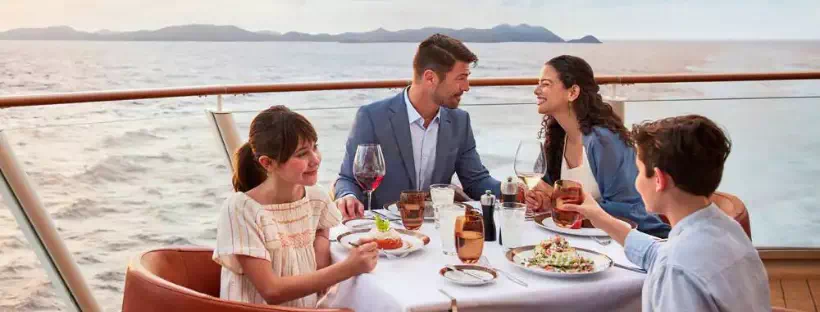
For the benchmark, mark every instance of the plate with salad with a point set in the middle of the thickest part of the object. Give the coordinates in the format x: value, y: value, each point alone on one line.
x: 554, y: 257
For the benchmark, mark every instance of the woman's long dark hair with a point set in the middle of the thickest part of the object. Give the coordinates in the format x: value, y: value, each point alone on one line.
x: 276, y: 132
x: 589, y: 108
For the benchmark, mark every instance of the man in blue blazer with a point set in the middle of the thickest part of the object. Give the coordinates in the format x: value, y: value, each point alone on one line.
x: 424, y: 137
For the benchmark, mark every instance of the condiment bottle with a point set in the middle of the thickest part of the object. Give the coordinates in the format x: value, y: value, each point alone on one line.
x: 488, y: 207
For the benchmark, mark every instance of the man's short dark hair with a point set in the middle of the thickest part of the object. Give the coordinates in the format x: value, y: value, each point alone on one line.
x: 692, y: 149
x: 439, y: 53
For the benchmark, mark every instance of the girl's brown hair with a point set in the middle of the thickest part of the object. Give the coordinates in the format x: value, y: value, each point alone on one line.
x: 276, y: 132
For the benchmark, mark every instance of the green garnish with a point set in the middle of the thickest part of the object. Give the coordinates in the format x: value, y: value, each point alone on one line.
x: 382, y: 225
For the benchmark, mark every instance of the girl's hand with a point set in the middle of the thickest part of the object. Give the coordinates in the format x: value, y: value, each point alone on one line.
x: 363, y: 259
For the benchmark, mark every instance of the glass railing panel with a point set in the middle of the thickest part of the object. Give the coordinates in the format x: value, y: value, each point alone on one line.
x: 114, y: 189
x: 24, y: 284
x: 769, y: 168
x: 118, y: 187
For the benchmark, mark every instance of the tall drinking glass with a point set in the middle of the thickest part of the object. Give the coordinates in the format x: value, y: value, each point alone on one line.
x: 369, y: 169
x: 448, y: 214
x: 411, y: 206
x: 441, y: 194
x: 566, y: 192
x: 513, y: 222
x: 469, y: 236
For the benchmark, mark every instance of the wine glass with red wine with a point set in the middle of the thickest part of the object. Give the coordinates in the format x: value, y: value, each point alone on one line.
x: 369, y: 169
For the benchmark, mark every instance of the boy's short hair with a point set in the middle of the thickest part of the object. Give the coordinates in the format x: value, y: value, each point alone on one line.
x: 692, y: 149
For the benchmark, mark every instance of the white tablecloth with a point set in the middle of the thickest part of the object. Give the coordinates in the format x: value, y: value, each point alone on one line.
x: 412, y: 283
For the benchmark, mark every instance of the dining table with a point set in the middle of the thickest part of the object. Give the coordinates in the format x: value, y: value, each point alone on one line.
x: 413, y: 282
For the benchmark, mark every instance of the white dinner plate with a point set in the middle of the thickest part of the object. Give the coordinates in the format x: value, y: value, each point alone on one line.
x: 548, y: 224
x: 519, y: 256
x: 412, y: 241
x: 428, y: 210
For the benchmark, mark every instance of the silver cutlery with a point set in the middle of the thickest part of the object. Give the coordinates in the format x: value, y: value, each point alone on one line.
x: 381, y: 251
x: 392, y: 220
x: 453, y: 306
x: 384, y: 216
x: 468, y: 273
x: 603, y: 241
x: 509, y: 276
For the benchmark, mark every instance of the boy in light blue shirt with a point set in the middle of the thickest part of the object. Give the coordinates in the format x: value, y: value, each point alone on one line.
x: 708, y: 263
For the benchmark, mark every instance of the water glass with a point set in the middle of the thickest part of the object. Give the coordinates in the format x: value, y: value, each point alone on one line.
x: 513, y: 222
x: 441, y: 194
x: 448, y: 213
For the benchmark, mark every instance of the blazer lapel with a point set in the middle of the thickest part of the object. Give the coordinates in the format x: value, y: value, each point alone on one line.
x: 442, y: 146
x: 401, y: 130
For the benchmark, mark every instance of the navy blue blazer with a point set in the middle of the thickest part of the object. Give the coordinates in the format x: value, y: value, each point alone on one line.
x: 385, y: 122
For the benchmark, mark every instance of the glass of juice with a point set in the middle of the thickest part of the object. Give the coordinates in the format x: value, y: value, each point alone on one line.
x: 469, y: 236
x: 411, y: 205
x: 566, y: 192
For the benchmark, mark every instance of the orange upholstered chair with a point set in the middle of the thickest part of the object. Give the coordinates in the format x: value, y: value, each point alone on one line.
x: 733, y: 207
x: 183, y: 279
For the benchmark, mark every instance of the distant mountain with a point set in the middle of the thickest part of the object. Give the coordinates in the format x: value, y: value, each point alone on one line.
x: 200, y: 32
x: 586, y: 39
x: 49, y: 33
x: 106, y: 32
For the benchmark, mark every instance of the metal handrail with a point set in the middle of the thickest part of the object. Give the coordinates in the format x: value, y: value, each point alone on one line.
x: 65, y: 271
x: 136, y: 94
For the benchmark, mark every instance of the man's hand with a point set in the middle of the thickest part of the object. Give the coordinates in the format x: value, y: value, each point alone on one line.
x: 521, y: 194
x: 350, y: 207
x: 538, y: 201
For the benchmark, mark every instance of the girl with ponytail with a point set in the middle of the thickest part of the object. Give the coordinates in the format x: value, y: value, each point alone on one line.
x: 272, y: 234
x: 586, y: 141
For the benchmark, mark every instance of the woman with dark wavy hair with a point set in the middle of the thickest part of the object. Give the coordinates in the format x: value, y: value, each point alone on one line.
x: 586, y: 141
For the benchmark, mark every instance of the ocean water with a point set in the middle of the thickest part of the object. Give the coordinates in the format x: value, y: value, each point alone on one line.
x: 121, y: 177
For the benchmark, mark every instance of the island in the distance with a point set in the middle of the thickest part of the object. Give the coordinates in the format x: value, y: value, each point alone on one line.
x: 200, y: 32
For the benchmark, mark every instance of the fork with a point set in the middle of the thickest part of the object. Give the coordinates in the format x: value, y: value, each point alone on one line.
x: 486, y: 261
x: 381, y: 251
x: 453, y: 306
x: 384, y: 216
x: 602, y: 241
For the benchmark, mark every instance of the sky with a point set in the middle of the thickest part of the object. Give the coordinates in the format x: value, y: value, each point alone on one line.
x: 606, y: 19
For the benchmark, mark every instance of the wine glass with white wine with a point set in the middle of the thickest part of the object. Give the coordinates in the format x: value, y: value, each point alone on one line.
x: 530, y: 163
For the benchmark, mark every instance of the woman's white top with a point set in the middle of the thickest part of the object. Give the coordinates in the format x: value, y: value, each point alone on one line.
x: 582, y: 174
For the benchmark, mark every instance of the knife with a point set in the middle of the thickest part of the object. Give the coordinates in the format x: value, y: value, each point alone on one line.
x: 454, y: 268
